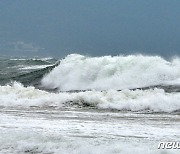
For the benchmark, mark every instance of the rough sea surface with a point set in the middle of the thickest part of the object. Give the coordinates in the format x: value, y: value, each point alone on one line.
x: 94, y: 105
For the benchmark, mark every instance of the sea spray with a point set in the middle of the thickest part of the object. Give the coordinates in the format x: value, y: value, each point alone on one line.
x: 78, y: 72
x: 155, y: 100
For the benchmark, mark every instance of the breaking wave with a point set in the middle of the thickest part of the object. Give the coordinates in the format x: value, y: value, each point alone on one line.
x: 155, y: 100
x: 78, y: 72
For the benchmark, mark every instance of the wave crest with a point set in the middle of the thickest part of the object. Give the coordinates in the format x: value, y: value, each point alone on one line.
x: 78, y: 72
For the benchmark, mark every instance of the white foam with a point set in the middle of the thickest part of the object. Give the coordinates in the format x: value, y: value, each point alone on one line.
x: 25, y: 59
x: 38, y: 134
x: 34, y: 67
x: 155, y: 100
x: 173, y: 82
x: 77, y: 72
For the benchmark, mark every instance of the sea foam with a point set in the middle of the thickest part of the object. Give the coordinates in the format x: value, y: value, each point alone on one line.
x: 78, y: 72
x: 155, y: 100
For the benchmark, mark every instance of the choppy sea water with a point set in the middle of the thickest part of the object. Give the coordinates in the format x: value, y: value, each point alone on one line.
x: 122, y: 104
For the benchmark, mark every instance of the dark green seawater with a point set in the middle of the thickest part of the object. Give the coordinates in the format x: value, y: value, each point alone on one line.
x: 27, y: 71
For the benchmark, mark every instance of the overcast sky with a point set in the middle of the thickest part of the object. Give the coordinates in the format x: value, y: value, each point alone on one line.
x: 90, y: 27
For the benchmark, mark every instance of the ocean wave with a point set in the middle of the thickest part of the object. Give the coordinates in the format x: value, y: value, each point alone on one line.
x: 34, y: 67
x: 25, y: 59
x: 26, y: 72
x: 155, y: 100
x: 78, y: 72
x: 39, y: 61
